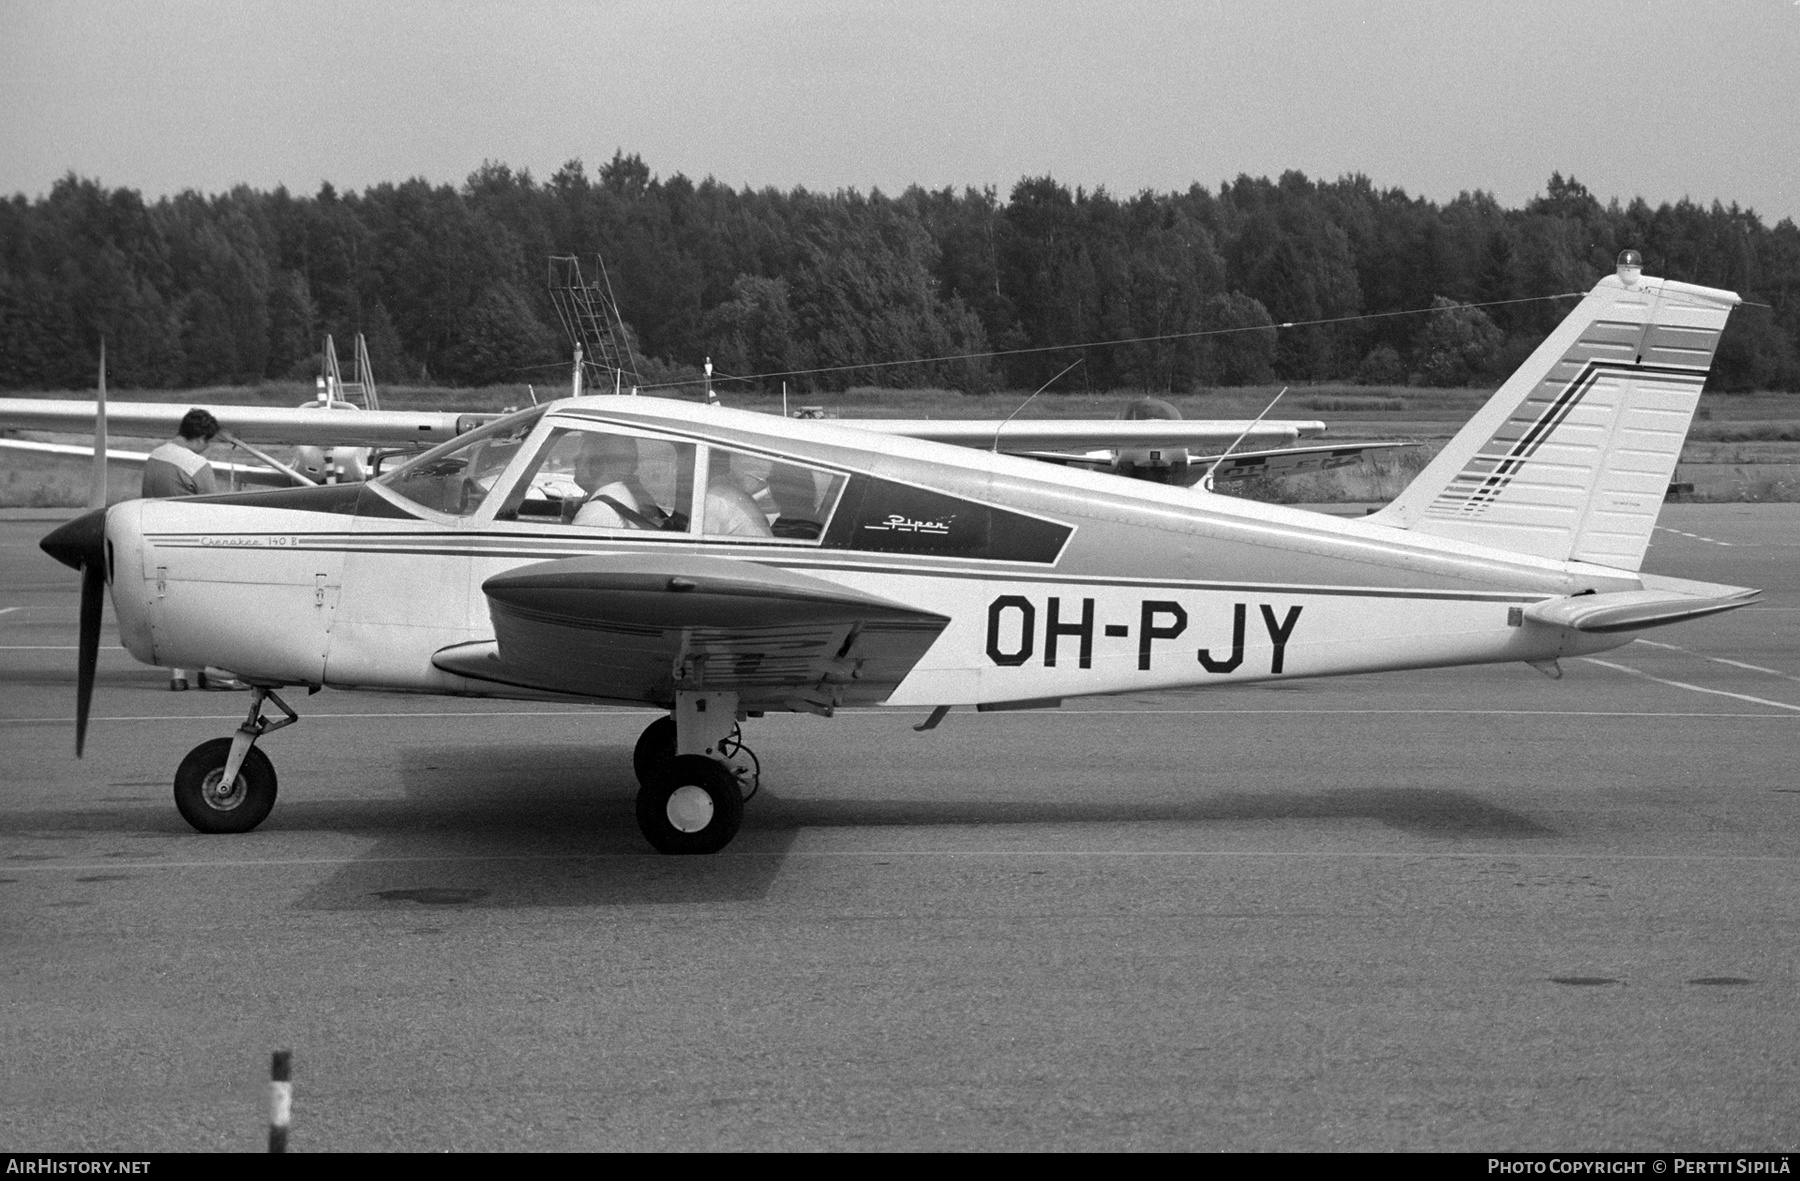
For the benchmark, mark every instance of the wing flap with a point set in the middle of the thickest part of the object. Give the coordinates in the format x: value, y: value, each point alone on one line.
x: 628, y: 628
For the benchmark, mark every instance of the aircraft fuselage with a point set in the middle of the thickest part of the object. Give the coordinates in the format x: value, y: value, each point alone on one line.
x: 1078, y: 583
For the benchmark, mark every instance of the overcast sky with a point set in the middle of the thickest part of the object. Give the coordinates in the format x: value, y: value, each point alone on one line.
x: 1658, y: 98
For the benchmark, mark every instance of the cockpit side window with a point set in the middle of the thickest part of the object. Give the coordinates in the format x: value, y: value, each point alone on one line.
x: 601, y: 478
x: 750, y: 495
x: 457, y: 477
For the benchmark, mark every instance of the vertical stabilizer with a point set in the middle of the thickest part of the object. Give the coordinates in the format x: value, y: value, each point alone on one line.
x: 1571, y: 458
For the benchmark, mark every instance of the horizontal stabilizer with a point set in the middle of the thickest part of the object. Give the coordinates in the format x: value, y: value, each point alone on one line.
x: 635, y: 627
x: 1628, y: 611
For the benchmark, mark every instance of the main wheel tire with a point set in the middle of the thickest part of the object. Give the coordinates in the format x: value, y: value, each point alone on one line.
x: 241, y: 808
x: 693, y: 805
x: 655, y: 747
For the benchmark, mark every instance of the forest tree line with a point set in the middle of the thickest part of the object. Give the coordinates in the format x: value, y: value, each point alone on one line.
x: 449, y: 284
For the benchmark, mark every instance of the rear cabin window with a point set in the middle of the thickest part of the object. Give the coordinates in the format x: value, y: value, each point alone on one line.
x: 881, y: 516
x: 749, y: 495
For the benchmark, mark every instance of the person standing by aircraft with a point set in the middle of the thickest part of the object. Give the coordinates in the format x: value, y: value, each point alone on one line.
x: 178, y: 468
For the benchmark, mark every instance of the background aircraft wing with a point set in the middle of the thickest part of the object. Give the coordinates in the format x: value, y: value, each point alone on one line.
x: 1239, y: 465
x: 634, y: 627
x: 242, y: 473
x: 1083, y: 434
x: 252, y: 424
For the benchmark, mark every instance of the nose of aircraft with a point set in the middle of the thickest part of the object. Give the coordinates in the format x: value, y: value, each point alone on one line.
x: 79, y: 543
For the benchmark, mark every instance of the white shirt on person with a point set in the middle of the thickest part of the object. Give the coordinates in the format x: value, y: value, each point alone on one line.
x: 598, y: 514
x: 176, y: 470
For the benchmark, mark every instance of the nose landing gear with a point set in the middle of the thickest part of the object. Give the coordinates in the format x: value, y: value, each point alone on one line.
x: 226, y: 784
x: 694, y: 774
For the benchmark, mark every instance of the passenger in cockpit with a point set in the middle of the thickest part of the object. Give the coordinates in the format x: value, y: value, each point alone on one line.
x: 731, y: 508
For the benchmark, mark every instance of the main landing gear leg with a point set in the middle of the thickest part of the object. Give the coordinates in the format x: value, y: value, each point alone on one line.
x: 691, y: 795
x: 227, y: 784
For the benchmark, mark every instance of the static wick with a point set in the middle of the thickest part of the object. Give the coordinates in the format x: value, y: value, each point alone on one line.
x: 281, y: 1099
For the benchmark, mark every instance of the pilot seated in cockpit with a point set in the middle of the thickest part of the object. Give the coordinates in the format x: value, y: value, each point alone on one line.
x: 606, y: 468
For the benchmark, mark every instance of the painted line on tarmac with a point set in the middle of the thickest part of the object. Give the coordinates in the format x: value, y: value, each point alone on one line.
x: 1626, y: 668
x: 521, y: 713
x: 56, y: 648
x: 1697, y: 537
x: 1755, y: 668
x: 1034, y: 715
x: 756, y: 855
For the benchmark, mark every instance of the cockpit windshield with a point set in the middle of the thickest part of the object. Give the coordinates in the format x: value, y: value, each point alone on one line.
x: 456, y: 477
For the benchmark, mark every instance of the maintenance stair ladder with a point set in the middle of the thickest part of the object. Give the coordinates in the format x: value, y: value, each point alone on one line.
x: 360, y: 392
x: 591, y: 319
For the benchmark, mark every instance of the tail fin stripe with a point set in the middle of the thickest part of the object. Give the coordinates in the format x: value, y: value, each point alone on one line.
x: 1486, y: 476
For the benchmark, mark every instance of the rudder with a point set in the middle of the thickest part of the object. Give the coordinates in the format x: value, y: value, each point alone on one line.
x: 1571, y: 457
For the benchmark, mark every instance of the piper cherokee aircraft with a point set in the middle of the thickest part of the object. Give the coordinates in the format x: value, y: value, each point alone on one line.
x: 720, y: 564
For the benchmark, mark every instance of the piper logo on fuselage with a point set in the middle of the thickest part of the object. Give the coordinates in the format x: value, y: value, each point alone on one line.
x: 1013, y: 633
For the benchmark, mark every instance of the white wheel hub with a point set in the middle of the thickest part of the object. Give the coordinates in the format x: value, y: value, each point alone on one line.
x: 690, y: 809
x: 220, y: 797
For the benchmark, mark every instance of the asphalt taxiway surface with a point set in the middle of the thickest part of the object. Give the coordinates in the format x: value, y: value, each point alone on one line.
x: 1465, y: 909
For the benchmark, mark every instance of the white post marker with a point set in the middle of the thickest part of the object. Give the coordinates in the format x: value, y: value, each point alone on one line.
x: 281, y: 1099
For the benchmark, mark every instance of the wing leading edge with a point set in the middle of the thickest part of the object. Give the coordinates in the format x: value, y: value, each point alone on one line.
x: 252, y: 424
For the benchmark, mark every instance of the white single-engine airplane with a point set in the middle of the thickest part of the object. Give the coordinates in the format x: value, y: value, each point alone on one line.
x: 719, y: 564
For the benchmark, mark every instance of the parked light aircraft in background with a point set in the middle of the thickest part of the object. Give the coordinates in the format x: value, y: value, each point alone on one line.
x: 334, y: 450
x: 719, y: 564
x: 1165, y: 450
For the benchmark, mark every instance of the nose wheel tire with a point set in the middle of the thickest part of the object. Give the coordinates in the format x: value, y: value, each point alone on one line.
x: 692, y: 805
x: 212, y: 806
x: 655, y: 747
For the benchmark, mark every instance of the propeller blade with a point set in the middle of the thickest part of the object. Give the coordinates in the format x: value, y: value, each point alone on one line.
x: 81, y: 543
x: 93, y: 599
x: 97, y: 482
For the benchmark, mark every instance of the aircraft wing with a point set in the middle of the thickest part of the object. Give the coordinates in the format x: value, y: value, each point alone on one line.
x: 252, y: 424
x: 1241, y: 465
x: 636, y: 627
x: 1082, y: 434
x: 242, y: 473
x: 397, y: 428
